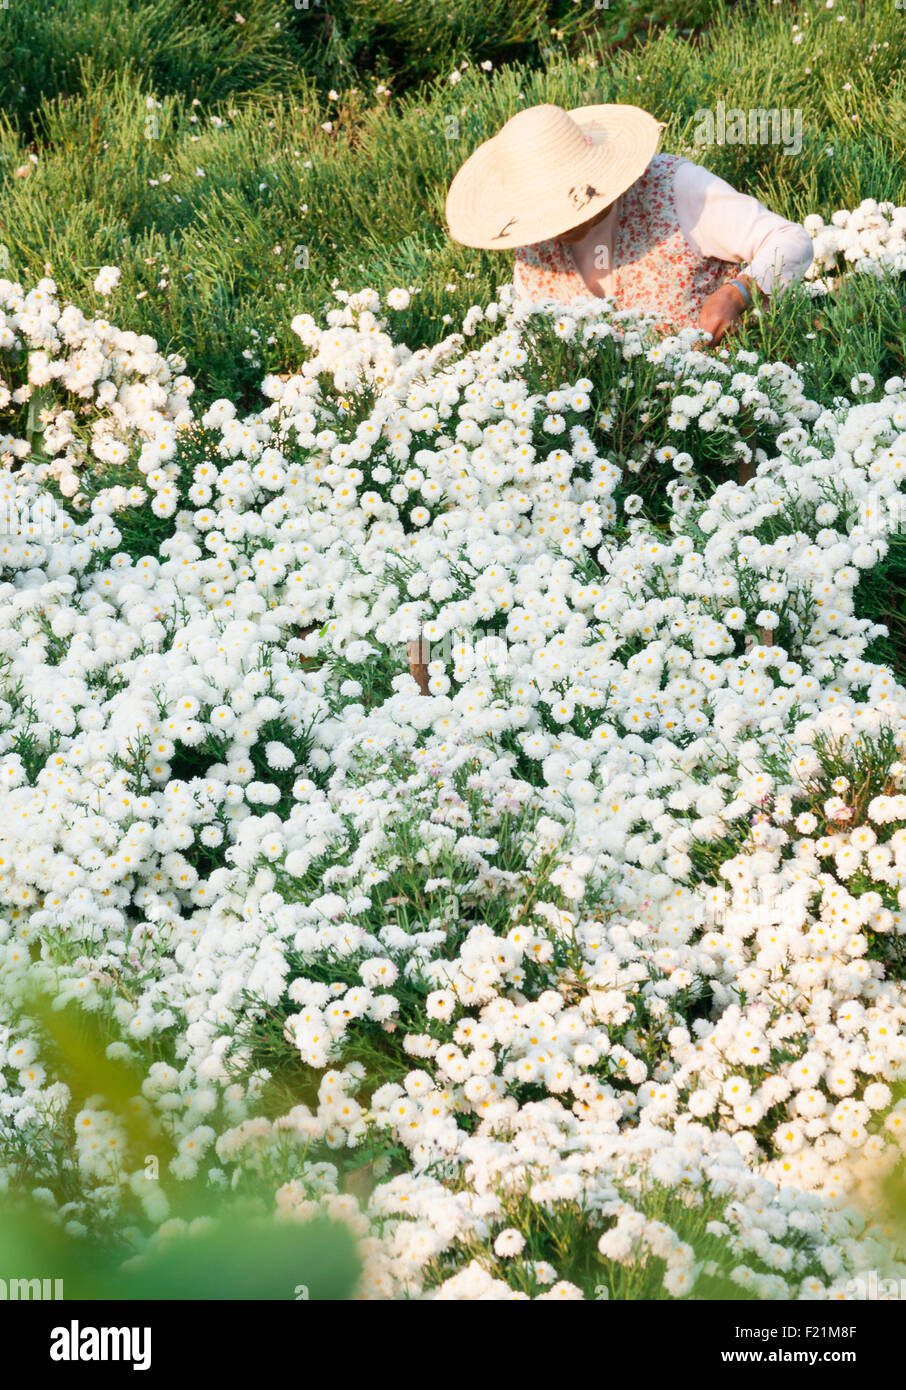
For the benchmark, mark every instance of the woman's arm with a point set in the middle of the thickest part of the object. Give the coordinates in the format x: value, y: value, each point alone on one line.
x: 719, y: 221
x: 721, y: 309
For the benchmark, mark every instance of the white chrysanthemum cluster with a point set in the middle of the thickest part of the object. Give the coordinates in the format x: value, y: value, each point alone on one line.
x: 869, y: 240
x: 81, y: 390
x: 465, y: 754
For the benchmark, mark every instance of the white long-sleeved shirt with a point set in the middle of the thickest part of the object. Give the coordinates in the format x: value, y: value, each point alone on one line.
x: 716, y: 220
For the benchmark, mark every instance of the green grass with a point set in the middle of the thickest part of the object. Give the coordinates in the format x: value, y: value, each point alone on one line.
x: 214, y: 51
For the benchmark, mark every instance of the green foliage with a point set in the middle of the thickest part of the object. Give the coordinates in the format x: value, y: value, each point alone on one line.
x: 64, y: 50
x: 881, y: 596
x: 564, y: 1235
x: 248, y: 1258
x: 218, y: 52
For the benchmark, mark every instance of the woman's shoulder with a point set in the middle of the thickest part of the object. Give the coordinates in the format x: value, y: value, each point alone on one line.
x: 657, y: 182
x: 676, y: 173
x: 662, y: 164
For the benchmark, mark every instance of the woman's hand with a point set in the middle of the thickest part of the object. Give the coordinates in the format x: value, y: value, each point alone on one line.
x: 721, y: 310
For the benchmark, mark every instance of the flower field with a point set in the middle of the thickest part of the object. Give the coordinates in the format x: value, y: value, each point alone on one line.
x: 459, y: 791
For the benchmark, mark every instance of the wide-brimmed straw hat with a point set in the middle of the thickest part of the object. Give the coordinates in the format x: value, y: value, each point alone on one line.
x: 548, y: 170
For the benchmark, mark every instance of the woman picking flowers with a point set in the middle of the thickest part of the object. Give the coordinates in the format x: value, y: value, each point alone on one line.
x: 593, y: 210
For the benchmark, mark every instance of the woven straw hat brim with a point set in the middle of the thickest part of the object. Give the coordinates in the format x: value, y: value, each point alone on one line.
x: 539, y: 177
